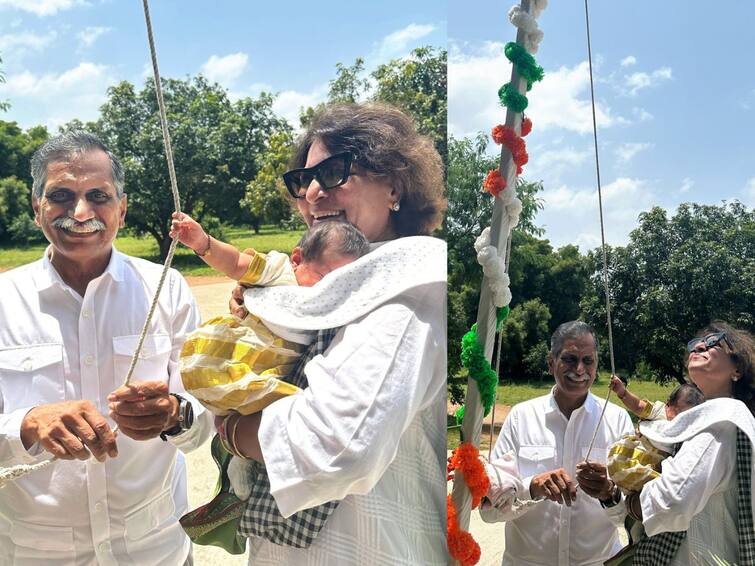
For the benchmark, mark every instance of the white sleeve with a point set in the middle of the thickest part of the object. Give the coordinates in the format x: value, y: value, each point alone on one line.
x: 12, y: 450
x: 185, y: 319
x: 338, y: 436
x: 703, y: 464
x: 505, y: 484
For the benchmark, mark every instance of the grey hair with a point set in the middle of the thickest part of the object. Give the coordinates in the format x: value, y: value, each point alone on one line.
x: 341, y: 238
x: 570, y: 330
x: 66, y: 146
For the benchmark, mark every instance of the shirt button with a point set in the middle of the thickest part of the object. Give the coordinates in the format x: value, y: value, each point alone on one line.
x: 98, y: 506
x: 85, y: 313
x: 104, y: 546
x: 28, y: 365
x: 89, y: 360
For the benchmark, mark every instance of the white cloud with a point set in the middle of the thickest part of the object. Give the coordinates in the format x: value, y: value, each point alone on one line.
x: 687, y: 184
x: 90, y: 34
x: 641, y: 114
x: 749, y: 192
x: 636, y: 82
x: 396, y: 44
x: 42, y: 7
x: 74, y: 93
x: 627, y: 61
x: 554, y: 162
x: 225, y: 70
x: 560, y: 101
x: 626, y: 151
x: 571, y: 214
x: 289, y: 103
x: 17, y: 43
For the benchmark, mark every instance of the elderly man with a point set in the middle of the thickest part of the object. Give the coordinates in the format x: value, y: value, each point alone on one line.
x: 70, y: 326
x: 539, y: 453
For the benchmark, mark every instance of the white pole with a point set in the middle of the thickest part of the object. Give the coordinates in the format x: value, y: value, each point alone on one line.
x: 500, y: 233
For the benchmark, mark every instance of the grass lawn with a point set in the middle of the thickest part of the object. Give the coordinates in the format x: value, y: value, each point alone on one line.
x: 269, y: 238
x: 512, y: 393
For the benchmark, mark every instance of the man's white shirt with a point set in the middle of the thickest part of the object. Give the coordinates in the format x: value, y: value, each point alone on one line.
x: 56, y: 345
x: 535, y: 438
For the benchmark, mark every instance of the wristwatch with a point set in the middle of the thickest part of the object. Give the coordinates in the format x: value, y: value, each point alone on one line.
x: 613, y: 500
x: 185, y: 418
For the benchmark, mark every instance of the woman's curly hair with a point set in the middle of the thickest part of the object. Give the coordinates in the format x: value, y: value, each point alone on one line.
x: 386, y: 145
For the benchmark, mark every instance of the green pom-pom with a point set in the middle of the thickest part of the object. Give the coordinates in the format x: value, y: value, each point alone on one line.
x: 501, y: 315
x: 473, y: 358
x: 460, y: 415
x: 510, y: 98
x: 525, y: 63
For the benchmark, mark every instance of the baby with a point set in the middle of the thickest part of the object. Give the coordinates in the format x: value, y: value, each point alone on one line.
x: 683, y: 397
x: 235, y: 365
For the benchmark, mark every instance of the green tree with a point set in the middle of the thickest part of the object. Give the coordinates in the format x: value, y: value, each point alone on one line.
x: 4, y: 104
x: 349, y: 84
x: 16, y: 149
x: 266, y: 194
x: 16, y: 222
x: 216, y: 144
x: 673, y: 277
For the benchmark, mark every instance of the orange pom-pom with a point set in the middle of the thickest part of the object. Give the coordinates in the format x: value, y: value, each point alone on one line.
x: 503, y: 135
x: 494, y: 183
x: 466, y: 459
x: 461, y: 544
x: 526, y: 126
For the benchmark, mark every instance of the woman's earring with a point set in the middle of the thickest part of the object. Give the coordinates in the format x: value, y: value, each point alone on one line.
x: 396, y: 206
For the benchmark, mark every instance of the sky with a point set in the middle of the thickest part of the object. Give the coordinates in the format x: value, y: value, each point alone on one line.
x: 61, y: 55
x: 675, y: 98
x: 675, y: 82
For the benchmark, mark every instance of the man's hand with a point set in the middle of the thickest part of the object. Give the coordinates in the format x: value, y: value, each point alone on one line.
x: 143, y: 410
x: 555, y: 485
x: 593, y: 479
x: 69, y: 430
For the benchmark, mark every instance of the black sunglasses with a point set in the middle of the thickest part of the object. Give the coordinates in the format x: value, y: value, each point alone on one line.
x: 330, y: 173
x: 706, y: 342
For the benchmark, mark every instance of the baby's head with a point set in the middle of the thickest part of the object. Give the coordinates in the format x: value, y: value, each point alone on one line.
x: 325, y: 247
x: 683, y: 397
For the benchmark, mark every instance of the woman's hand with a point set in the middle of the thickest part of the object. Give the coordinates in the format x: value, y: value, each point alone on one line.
x: 189, y: 232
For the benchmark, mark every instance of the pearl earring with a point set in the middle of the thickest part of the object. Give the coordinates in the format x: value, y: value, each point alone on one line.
x: 396, y: 206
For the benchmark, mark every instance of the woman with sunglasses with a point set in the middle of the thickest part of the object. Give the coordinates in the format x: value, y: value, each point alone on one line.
x: 355, y: 462
x: 700, y: 510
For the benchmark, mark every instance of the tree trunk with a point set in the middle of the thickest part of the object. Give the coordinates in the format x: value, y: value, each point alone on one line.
x: 164, y: 244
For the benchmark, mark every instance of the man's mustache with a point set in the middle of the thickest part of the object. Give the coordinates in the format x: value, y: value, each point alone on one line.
x: 73, y: 225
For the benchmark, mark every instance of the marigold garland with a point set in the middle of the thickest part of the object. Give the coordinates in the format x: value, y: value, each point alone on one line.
x: 503, y: 135
x: 466, y: 459
x: 525, y: 63
x: 526, y: 126
x: 461, y: 545
x: 510, y: 98
x: 494, y: 183
x: 473, y: 358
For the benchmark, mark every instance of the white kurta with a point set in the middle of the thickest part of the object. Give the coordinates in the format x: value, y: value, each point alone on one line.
x: 369, y: 431
x: 536, y: 437
x: 56, y: 345
x: 697, y: 490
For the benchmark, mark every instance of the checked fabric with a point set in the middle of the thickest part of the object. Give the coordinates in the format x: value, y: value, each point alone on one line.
x: 659, y: 550
x: 261, y: 516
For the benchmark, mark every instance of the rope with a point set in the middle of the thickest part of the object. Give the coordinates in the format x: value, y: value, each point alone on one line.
x: 602, y: 231
x: 173, y: 188
x: 14, y: 472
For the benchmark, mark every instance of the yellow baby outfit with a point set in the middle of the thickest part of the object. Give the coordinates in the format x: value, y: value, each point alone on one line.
x: 633, y: 461
x: 230, y: 364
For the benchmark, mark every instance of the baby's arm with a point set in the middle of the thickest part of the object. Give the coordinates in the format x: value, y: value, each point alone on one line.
x: 631, y: 401
x: 219, y: 255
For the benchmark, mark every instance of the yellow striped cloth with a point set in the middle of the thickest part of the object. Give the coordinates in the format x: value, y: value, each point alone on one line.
x: 230, y: 364
x: 633, y: 461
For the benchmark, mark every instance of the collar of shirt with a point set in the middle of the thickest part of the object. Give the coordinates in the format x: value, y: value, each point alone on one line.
x: 47, y: 276
x: 590, y: 406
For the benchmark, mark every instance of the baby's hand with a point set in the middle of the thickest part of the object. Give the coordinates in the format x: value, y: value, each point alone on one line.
x: 617, y: 386
x: 188, y: 231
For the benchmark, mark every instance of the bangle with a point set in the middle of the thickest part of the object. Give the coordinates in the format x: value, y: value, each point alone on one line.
x: 207, y: 249
x: 636, y: 514
x: 234, y: 442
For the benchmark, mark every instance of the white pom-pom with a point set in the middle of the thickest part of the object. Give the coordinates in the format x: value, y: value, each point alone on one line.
x: 532, y: 41
x: 513, y: 211
x: 537, y: 7
x: 485, y: 256
x: 522, y: 20
x: 482, y: 240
